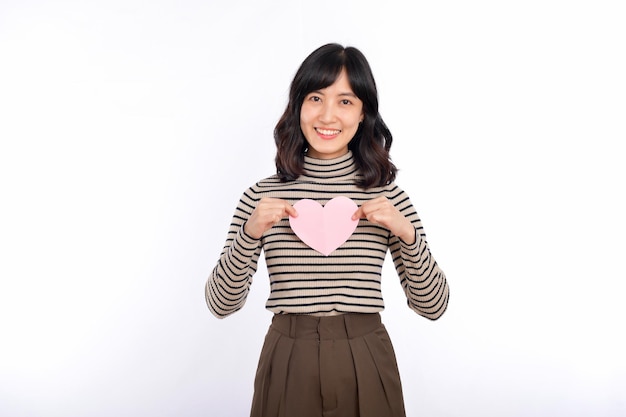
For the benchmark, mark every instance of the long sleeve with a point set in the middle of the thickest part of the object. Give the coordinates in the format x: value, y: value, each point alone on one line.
x: 229, y: 283
x: 423, y: 281
x: 305, y: 281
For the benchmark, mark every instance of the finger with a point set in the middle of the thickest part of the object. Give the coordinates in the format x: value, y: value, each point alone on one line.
x: 291, y: 210
x: 366, y: 210
x: 358, y: 214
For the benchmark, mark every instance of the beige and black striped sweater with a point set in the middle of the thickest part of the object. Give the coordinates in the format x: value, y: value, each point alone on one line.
x: 303, y: 281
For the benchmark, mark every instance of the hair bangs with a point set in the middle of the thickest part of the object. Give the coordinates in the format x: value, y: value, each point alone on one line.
x: 323, y: 73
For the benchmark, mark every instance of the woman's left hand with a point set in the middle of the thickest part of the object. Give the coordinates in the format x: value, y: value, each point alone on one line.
x: 382, y: 212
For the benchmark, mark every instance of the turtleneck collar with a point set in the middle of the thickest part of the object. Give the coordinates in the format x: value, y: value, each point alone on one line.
x: 322, y: 170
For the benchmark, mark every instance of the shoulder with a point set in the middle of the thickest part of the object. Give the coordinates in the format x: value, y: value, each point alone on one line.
x: 269, y: 182
x: 392, y: 190
x: 265, y: 187
x: 397, y: 195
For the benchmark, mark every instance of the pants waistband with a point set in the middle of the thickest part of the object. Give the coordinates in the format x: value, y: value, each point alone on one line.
x: 344, y: 326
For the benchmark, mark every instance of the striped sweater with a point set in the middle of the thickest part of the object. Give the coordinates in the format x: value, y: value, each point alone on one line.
x: 303, y: 281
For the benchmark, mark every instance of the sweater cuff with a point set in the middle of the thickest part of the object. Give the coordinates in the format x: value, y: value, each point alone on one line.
x: 412, y: 249
x: 246, y: 242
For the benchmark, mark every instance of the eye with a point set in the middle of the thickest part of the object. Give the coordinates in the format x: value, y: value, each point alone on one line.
x: 314, y: 98
x: 346, y: 102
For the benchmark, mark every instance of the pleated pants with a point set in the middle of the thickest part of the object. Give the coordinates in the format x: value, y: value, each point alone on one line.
x: 337, y: 366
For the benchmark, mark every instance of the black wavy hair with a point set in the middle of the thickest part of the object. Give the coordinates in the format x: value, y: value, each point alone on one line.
x: 372, y: 141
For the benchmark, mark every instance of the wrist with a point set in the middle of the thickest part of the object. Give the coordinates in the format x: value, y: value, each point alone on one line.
x: 250, y: 233
x: 409, y: 236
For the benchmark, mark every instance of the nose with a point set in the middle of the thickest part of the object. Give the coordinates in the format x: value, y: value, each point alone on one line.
x: 327, y: 113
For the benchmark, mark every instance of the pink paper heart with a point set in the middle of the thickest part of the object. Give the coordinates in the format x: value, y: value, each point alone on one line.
x: 324, y: 228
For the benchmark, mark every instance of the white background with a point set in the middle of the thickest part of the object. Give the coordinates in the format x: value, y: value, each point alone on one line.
x: 129, y: 130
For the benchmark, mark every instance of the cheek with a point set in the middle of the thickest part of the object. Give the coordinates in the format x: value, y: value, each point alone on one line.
x: 306, y: 114
x: 304, y: 125
x: 352, y: 115
x: 355, y: 119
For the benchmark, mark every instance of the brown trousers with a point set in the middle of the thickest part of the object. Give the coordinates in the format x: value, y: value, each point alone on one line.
x: 337, y: 366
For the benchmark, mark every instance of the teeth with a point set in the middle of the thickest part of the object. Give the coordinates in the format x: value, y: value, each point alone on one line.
x: 328, y: 132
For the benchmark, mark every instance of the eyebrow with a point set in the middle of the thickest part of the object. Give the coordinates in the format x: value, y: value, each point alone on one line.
x: 340, y: 94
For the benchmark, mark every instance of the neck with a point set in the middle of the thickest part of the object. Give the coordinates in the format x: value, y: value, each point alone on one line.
x: 324, y: 170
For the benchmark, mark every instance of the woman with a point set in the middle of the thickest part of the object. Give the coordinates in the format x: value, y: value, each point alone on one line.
x: 326, y: 352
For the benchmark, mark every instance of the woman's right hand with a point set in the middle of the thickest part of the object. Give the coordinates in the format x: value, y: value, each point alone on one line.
x: 267, y: 213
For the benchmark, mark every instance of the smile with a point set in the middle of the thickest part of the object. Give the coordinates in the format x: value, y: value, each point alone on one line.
x: 327, y: 132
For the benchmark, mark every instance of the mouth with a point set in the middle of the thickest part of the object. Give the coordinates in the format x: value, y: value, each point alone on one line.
x: 327, y: 133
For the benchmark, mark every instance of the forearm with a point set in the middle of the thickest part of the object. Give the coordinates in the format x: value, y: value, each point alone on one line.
x: 423, y: 281
x: 228, y: 285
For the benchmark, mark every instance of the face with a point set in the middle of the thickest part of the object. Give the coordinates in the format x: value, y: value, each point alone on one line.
x: 330, y: 117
